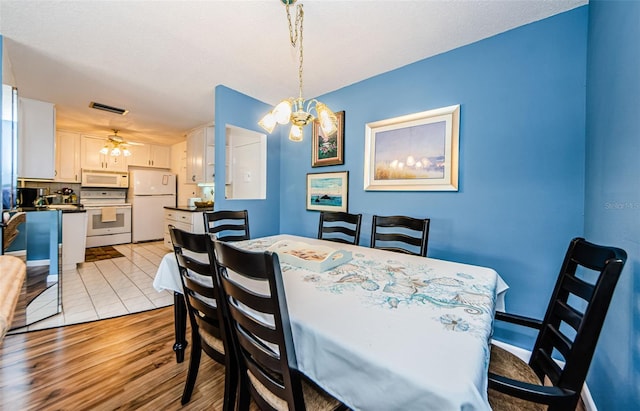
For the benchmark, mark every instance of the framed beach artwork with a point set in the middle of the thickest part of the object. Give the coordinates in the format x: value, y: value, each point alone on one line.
x: 328, y: 150
x: 327, y: 191
x: 416, y: 152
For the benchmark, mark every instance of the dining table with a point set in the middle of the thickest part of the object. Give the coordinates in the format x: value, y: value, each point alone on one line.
x: 382, y: 330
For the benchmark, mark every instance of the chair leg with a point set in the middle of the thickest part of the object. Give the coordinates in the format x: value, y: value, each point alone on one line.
x: 244, y: 396
x: 194, y: 364
x: 180, y: 326
x: 230, y: 386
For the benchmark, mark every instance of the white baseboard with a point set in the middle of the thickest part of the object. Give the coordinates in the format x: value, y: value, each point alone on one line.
x: 38, y: 263
x: 524, y: 355
x: 17, y: 253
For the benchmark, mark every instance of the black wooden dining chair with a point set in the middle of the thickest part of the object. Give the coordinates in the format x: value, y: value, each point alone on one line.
x: 227, y: 225
x: 261, y: 333
x: 401, y: 234
x: 569, y: 330
x: 340, y: 227
x: 194, y: 254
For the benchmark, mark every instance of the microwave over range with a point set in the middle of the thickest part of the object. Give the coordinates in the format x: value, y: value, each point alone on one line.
x: 105, y: 179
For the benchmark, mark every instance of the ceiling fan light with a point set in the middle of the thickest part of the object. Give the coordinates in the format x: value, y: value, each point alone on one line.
x: 126, y: 152
x: 115, y: 152
x: 104, y: 150
x: 268, y: 122
x: 296, y: 134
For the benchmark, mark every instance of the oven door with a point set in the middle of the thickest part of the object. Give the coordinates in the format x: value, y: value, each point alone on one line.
x: 108, y: 224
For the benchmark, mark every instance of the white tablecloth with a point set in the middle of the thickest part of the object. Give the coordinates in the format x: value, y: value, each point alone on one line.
x: 387, y: 330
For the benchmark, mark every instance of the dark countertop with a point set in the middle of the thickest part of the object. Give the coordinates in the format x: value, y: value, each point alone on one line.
x: 78, y: 209
x: 190, y: 209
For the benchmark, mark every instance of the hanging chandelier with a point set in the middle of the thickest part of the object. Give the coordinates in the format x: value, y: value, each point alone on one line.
x: 297, y: 110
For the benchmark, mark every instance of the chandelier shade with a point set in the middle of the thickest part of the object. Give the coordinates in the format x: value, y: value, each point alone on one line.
x: 298, y: 111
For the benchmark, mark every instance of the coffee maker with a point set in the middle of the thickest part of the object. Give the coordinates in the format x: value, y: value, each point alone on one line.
x: 27, y: 196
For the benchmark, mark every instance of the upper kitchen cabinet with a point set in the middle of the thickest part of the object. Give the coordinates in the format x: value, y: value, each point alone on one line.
x: 149, y: 155
x: 67, y: 157
x: 36, y: 139
x: 92, y: 159
x: 200, y: 155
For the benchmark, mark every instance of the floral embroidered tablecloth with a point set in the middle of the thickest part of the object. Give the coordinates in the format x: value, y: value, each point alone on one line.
x: 389, y: 331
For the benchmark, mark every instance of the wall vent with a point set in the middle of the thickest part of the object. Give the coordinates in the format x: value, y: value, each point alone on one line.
x: 104, y: 107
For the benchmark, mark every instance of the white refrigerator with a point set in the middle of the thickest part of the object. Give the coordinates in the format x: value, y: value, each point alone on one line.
x: 150, y: 191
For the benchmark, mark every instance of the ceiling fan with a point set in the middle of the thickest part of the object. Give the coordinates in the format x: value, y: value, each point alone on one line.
x: 116, y: 145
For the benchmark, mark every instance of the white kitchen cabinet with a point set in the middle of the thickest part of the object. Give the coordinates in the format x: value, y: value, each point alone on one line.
x: 67, y: 157
x: 139, y: 155
x: 191, y: 221
x: 74, y: 239
x: 195, y: 156
x: 200, y: 155
x: 36, y: 139
x: 92, y: 159
x: 150, y: 155
x: 160, y: 156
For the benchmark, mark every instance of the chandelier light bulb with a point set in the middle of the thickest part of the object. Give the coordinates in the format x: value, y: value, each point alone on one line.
x: 268, y: 122
x: 328, y: 127
x: 126, y: 152
x: 115, y: 152
x: 104, y: 150
x: 296, y: 134
x: 282, y: 112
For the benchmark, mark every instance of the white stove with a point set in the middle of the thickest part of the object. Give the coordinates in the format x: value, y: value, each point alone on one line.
x: 109, y: 217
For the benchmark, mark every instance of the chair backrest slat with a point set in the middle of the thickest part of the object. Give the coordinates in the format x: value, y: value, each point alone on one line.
x: 340, y: 227
x: 227, y: 225
x: 549, y: 366
x: 400, y: 234
x: 578, y: 287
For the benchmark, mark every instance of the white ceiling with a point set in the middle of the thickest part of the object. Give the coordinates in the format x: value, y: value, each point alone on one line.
x: 161, y: 59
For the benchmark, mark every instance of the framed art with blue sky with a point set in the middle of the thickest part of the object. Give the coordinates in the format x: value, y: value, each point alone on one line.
x: 328, y: 191
x: 416, y: 152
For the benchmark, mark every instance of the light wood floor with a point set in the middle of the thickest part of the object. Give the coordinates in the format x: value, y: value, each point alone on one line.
x: 124, y: 363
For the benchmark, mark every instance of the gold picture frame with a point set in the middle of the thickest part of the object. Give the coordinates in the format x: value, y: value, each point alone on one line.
x: 328, y: 150
x: 416, y: 152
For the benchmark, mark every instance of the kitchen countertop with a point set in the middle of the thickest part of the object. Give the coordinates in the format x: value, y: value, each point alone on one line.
x: 77, y: 209
x: 191, y: 209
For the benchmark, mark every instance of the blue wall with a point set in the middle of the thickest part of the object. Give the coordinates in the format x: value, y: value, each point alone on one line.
x: 612, y: 206
x: 529, y: 178
x: 521, y: 196
x: 234, y: 108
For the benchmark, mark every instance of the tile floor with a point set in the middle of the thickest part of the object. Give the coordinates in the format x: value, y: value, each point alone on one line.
x: 110, y: 288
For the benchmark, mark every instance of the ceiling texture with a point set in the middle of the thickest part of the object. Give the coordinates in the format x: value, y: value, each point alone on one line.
x: 162, y: 59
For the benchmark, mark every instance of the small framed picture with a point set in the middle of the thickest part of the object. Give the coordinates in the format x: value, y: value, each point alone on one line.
x: 328, y: 191
x: 328, y: 150
x: 416, y: 152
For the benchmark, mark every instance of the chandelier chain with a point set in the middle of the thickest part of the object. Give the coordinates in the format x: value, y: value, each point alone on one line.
x: 295, y: 36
